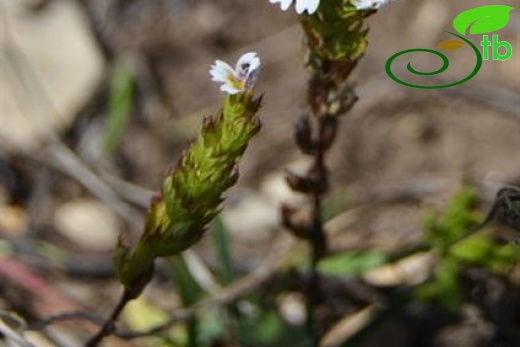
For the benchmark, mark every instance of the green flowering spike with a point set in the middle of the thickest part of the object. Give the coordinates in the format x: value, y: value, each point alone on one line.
x: 337, y: 39
x: 336, y: 31
x: 192, y: 193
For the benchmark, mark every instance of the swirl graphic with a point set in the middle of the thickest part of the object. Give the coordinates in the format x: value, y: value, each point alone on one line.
x: 445, y: 64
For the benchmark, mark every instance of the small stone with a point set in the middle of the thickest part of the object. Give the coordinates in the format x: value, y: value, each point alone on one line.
x: 13, y: 220
x: 251, y: 219
x: 413, y: 270
x: 50, y: 68
x: 292, y: 308
x: 88, y: 223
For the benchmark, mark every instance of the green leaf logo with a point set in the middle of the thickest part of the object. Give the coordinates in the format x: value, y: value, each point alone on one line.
x: 482, y: 20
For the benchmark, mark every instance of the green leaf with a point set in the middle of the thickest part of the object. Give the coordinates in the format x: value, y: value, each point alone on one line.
x: 141, y: 314
x: 503, y: 258
x: 473, y: 250
x: 211, y: 327
x: 189, y: 291
x: 120, y: 106
x: 188, y: 288
x: 444, y: 288
x: 269, y: 329
x: 221, y: 241
x: 351, y: 263
x: 483, y: 19
x: 459, y: 215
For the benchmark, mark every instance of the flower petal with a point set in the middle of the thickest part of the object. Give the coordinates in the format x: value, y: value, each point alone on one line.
x: 284, y: 4
x: 246, y: 63
x: 251, y: 78
x: 370, y: 4
x: 312, y: 6
x: 220, y: 71
x: 228, y: 88
x: 240, y: 79
x: 303, y: 5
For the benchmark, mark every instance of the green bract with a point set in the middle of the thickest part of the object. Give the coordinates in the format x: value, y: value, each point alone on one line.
x: 192, y: 193
x: 337, y: 39
x: 336, y: 31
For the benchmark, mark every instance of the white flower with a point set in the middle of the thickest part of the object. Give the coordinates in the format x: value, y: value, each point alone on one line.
x: 301, y: 5
x: 239, y: 79
x: 370, y: 4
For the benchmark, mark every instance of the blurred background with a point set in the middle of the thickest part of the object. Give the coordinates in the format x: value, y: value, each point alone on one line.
x: 99, y: 98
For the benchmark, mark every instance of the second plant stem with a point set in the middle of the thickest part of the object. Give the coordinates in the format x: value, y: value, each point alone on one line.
x: 317, y: 239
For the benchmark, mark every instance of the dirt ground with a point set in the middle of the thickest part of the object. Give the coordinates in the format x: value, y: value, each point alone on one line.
x: 399, y: 152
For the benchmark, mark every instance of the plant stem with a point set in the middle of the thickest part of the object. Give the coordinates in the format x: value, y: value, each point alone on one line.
x: 109, y: 326
x: 319, y: 242
x: 317, y: 239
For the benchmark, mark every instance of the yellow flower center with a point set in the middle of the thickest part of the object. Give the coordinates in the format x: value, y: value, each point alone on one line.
x: 237, y: 83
